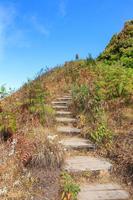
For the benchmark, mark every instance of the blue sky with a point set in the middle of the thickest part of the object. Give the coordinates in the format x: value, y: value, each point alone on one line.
x: 39, y: 33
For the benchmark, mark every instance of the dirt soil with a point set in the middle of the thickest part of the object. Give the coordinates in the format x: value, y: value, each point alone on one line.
x: 48, y: 184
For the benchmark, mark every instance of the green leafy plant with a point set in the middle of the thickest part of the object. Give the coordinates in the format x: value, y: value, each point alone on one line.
x: 3, y: 91
x: 7, y: 120
x: 102, y: 135
x: 69, y: 187
x: 34, y: 98
x: 90, y: 60
x: 114, y: 82
x: 120, y: 47
x: 87, y: 100
x: 80, y: 96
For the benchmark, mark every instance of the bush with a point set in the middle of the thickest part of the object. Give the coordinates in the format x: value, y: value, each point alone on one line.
x: 80, y: 96
x: 69, y: 187
x: 127, y: 61
x: 115, y: 82
x: 90, y: 60
x: 34, y: 99
x: 102, y: 135
x: 49, y: 154
x: 7, y: 121
x: 3, y: 92
x: 120, y: 48
x: 87, y: 100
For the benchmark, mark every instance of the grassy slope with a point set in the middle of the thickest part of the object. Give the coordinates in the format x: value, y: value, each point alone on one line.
x: 27, y: 117
x: 102, y: 97
x: 120, y: 48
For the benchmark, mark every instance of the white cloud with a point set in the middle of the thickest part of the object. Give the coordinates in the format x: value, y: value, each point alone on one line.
x: 10, y: 34
x: 18, y: 39
x: 7, y: 15
x: 38, y: 26
x: 62, y: 8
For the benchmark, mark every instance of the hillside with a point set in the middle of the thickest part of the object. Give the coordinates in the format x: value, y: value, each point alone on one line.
x: 120, y: 47
x: 102, y: 102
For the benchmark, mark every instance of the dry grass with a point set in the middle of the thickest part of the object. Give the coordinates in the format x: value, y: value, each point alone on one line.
x: 18, y: 182
x: 49, y: 154
x: 14, y: 182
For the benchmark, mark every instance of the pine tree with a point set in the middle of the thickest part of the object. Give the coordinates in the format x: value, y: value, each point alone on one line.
x: 77, y: 57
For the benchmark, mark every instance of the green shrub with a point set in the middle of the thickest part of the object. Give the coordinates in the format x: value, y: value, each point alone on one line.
x: 3, y: 91
x: 120, y: 47
x: 127, y: 61
x: 90, y: 60
x: 80, y: 96
x: 114, y: 82
x: 34, y: 98
x: 49, y: 115
x: 69, y: 187
x: 102, y: 135
x: 7, y: 120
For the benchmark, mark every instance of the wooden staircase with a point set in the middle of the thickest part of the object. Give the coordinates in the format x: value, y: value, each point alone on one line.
x: 78, y: 164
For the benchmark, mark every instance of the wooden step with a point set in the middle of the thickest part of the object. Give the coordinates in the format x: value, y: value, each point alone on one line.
x: 77, y: 143
x: 79, y: 164
x: 58, y: 107
x: 65, y: 119
x: 107, y: 191
x: 63, y: 113
x: 59, y: 102
x: 68, y: 130
x: 66, y: 98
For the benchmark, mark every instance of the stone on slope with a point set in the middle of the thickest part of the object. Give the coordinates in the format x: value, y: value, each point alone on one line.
x: 107, y: 191
x: 58, y: 107
x: 65, y: 119
x: 77, y: 143
x: 68, y: 130
x: 59, y: 102
x: 77, y: 164
x: 66, y: 98
x: 63, y: 113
